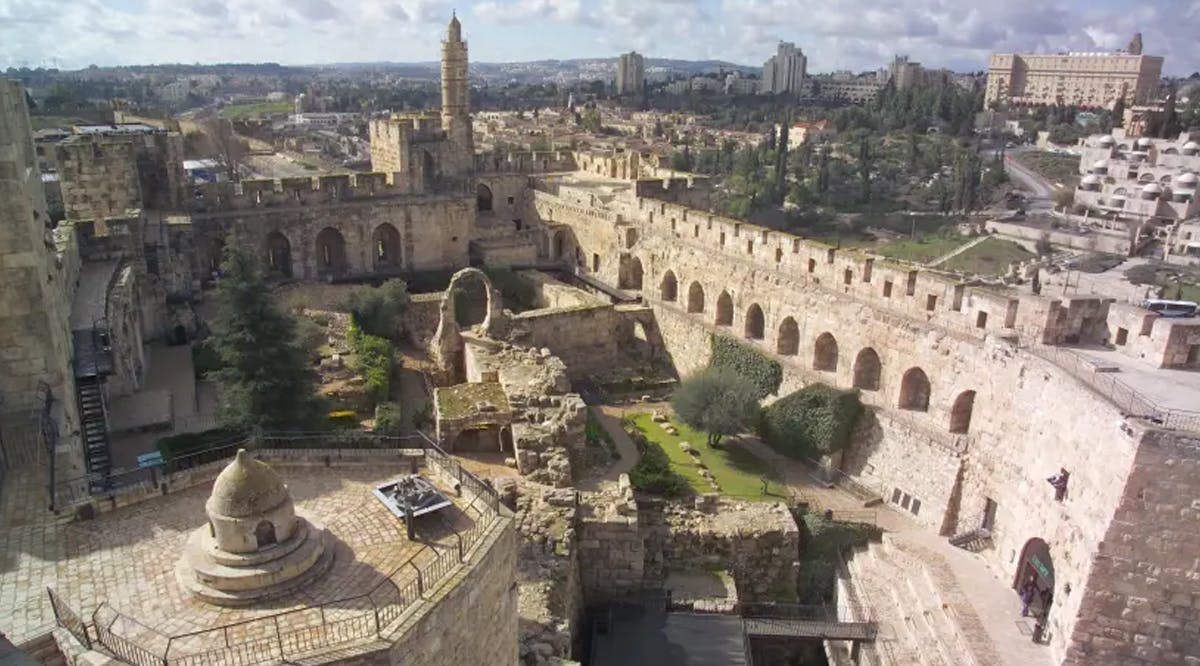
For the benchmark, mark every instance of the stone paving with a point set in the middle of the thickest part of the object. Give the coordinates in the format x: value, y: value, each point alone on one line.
x: 127, y: 557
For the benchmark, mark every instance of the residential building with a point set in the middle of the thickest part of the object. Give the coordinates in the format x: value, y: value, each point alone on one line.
x: 631, y: 74
x: 784, y: 72
x: 736, y: 84
x: 1094, y: 80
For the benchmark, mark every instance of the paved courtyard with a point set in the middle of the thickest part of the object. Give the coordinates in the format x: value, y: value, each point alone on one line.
x: 127, y: 558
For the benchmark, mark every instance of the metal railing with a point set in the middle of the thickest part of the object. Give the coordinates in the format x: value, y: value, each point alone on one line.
x: 1125, y: 397
x: 275, y: 637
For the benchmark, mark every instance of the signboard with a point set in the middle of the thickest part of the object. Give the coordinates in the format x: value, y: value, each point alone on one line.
x: 152, y: 459
x: 1042, y: 569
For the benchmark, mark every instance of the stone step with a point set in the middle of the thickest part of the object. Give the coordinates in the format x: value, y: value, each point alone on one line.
x: 925, y: 601
x: 895, y: 627
x: 896, y: 576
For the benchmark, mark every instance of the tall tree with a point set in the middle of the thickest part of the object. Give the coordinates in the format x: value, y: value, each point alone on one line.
x: 864, y: 168
x: 718, y: 402
x: 266, y: 379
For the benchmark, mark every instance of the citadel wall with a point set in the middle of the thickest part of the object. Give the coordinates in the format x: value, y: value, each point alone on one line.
x: 110, y: 175
x: 879, y: 326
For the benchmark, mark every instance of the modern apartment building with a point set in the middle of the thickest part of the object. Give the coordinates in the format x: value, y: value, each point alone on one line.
x: 1094, y: 80
x: 631, y: 74
x: 784, y: 72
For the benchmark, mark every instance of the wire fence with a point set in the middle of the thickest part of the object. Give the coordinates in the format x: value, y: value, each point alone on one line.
x: 278, y: 637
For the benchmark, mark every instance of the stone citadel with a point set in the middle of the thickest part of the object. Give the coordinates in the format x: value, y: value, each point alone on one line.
x: 976, y: 398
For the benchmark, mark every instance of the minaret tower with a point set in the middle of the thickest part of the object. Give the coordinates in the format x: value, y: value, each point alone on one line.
x: 456, y: 103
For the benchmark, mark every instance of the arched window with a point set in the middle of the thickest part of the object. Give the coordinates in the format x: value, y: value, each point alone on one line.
x: 914, y: 390
x: 630, y: 276
x: 483, y: 197
x: 960, y: 414
x: 867, y: 370
x: 385, y: 246
x: 428, y: 170
x: 754, y: 322
x: 695, y: 301
x: 279, y: 255
x: 264, y: 534
x: 331, y: 252
x: 788, y: 343
x: 669, y: 287
x: 825, y: 353
x: 724, y: 309
x: 558, y: 245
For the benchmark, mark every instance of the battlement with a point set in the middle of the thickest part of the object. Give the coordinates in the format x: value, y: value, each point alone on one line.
x: 525, y: 162
x: 304, y: 191
x: 407, y: 127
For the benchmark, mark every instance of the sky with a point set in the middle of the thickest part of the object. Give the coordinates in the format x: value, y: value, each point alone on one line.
x: 834, y: 34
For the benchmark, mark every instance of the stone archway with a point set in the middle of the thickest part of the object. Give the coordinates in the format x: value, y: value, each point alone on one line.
x: 1035, y: 570
x: 331, y: 252
x: 447, y: 346
x: 915, y: 390
x: 695, y: 302
x: 483, y: 198
x: 385, y: 247
x: 788, y: 341
x: 867, y: 370
x: 960, y: 413
x: 279, y: 255
x: 825, y: 353
x: 668, y: 289
x: 264, y: 534
x: 755, y: 326
x: 631, y: 274
x: 724, y: 309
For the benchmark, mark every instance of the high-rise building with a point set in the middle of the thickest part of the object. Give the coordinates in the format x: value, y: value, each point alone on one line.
x: 904, y: 73
x: 1080, y: 79
x: 631, y: 74
x: 784, y: 72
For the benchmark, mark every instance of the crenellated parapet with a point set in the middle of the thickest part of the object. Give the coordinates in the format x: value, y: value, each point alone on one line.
x: 536, y: 161
x: 311, y: 191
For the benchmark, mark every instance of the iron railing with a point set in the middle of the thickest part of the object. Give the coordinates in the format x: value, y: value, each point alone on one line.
x: 277, y: 637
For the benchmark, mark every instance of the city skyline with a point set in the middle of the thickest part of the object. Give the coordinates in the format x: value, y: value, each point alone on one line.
x: 835, y: 35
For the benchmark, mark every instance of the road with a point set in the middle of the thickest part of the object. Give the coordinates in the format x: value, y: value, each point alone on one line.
x: 1041, y: 190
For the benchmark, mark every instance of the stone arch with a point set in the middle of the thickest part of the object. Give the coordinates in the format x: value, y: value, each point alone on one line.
x: 279, y: 255
x: 385, y: 246
x: 825, y: 353
x: 754, y: 322
x: 483, y: 198
x: 960, y: 413
x: 331, y: 252
x: 264, y: 534
x: 867, y: 369
x: 724, y: 309
x: 915, y: 390
x: 631, y: 274
x: 788, y: 341
x: 668, y: 289
x: 447, y: 346
x: 695, y: 302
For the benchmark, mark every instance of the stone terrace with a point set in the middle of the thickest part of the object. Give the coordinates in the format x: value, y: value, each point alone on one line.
x: 127, y: 557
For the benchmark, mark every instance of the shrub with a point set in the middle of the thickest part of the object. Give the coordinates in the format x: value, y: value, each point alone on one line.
x: 310, y: 336
x: 373, y: 358
x: 765, y: 374
x: 389, y: 418
x: 205, y: 359
x: 653, y: 473
x: 378, y: 310
x: 816, y: 420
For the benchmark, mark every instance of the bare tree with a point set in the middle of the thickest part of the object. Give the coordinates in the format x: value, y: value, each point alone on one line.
x: 220, y: 142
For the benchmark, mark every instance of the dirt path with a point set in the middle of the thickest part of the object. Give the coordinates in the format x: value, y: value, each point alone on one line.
x: 609, y: 417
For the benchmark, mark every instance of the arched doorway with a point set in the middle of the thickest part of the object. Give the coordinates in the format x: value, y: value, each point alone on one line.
x: 1035, y: 573
x: 264, y: 534
x: 470, y: 302
x: 385, y: 245
x: 754, y: 322
x: 960, y: 414
x: 915, y: 390
x: 724, y: 309
x: 483, y: 198
x: 825, y: 353
x: 867, y: 369
x: 669, y: 287
x: 331, y: 252
x: 631, y: 273
x: 695, y: 298
x: 788, y: 343
x: 279, y: 255
x: 557, y: 246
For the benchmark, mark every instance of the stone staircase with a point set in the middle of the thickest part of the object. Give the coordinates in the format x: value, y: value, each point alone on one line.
x: 957, y: 251
x: 44, y: 650
x: 916, y: 627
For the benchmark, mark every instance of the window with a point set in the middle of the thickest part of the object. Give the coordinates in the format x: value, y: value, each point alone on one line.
x: 812, y: 265
x: 930, y: 303
x: 722, y: 239
x: 511, y: 200
x: 1122, y: 336
x: 916, y: 506
x: 911, y: 288
x: 829, y: 255
x: 981, y: 320
x: 847, y: 276
x: 905, y: 500
x: 887, y: 289
x: 895, y: 495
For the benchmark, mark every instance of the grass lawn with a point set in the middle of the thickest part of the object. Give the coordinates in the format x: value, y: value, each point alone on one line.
x: 1054, y: 167
x: 255, y: 109
x: 924, y: 250
x: 738, y: 472
x: 991, y: 257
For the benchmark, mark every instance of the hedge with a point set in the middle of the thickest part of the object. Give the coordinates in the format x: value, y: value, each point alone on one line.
x: 190, y: 443
x: 814, y: 421
x: 373, y: 357
x: 748, y: 362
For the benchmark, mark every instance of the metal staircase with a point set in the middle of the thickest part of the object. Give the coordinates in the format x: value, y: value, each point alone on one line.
x: 93, y: 362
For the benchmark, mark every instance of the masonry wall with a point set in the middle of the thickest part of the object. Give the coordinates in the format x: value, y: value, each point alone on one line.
x: 1141, y: 604
x: 99, y: 178
x: 611, y: 555
x: 582, y: 335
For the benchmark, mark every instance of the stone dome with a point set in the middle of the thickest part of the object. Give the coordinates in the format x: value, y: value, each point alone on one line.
x: 1143, y: 142
x: 1152, y: 188
x: 1107, y: 140
x: 1090, y: 179
x: 1191, y: 147
x: 1100, y: 164
x: 1187, y: 180
x: 247, y: 487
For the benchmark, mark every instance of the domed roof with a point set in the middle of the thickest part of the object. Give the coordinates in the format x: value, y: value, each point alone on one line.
x: 247, y: 487
x: 1143, y: 141
x: 1090, y: 179
x: 1100, y: 164
x: 1191, y: 145
x: 1152, y: 188
x: 1107, y: 140
x: 1187, y: 179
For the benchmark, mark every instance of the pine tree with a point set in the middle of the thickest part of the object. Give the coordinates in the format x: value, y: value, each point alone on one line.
x: 864, y: 168
x: 265, y: 378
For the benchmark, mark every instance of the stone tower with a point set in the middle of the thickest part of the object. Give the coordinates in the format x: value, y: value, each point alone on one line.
x: 456, y: 103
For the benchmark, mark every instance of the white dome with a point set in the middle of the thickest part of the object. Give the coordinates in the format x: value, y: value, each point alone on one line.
x: 1100, y: 164
x: 1143, y: 142
x: 1187, y: 180
x: 1152, y: 188
x: 1107, y: 140
x: 1090, y: 179
x: 1191, y: 145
